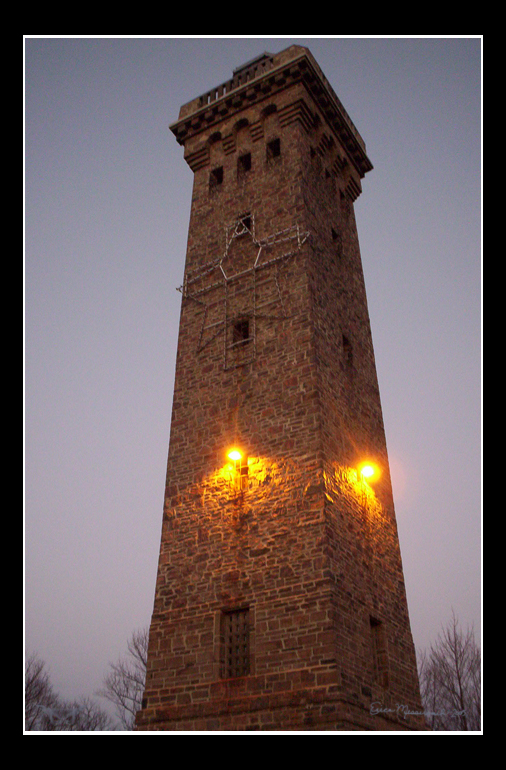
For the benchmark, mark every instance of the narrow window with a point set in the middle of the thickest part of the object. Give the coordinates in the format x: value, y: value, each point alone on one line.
x: 240, y: 332
x: 243, y: 165
x: 235, y: 642
x: 347, y: 352
x: 379, y: 652
x: 337, y: 242
x: 273, y: 150
x: 240, y: 341
x: 216, y: 178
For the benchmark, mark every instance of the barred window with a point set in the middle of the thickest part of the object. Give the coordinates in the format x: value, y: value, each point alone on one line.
x: 235, y: 635
x: 379, y: 652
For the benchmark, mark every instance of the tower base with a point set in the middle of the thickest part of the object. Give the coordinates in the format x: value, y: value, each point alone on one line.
x: 248, y: 705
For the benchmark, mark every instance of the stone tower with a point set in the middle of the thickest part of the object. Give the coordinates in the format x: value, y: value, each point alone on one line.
x: 280, y: 600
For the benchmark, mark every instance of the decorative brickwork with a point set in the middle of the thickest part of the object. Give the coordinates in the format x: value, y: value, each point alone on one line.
x: 280, y: 600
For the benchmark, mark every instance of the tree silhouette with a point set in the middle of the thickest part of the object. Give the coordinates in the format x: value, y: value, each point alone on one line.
x: 450, y: 680
x: 124, y: 685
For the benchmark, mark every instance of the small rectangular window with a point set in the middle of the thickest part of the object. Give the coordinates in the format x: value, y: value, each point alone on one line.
x: 244, y: 225
x: 240, y: 341
x: 273, y: 150
x: 235, y: 643
x: 216, y: 178
x: 347, y: 352
x: 244, y: 164
x: 240, y: 332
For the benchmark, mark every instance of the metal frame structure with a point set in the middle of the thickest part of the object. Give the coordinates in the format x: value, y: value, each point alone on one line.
x: 199, y: 282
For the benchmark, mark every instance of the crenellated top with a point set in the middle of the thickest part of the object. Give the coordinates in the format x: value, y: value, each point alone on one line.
x: 261, y: 78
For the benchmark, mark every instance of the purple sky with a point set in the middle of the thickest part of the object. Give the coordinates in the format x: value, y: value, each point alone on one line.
x: 107, y: 203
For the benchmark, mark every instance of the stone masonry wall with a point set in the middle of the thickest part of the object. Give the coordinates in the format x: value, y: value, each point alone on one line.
x: 275, y: 357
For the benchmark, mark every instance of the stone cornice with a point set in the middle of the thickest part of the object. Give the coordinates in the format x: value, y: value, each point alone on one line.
x: 261, y: 79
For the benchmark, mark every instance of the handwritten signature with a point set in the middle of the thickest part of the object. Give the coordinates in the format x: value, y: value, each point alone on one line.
x: 405, y: 711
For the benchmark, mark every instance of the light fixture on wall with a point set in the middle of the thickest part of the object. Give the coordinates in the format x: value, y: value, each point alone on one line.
x: 240, y: 461
x: 368, y: 471
x: 235, y: 455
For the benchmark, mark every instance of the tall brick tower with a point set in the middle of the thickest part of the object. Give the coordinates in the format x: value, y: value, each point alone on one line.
x: 280, y: 600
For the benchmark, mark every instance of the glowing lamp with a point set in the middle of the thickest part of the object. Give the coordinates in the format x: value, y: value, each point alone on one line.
x: 368, y: 471
x: 234, y: 455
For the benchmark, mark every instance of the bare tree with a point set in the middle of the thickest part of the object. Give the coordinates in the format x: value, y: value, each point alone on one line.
x: 82, y: 715
x: 39, y: 695
x: 124, y: 685
x: 450, y: 680
x: 45, y: 711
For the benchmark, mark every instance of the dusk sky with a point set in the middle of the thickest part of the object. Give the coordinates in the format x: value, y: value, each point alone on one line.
x: 107, y: 204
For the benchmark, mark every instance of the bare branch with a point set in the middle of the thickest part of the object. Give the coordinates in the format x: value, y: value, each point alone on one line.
x: 45, y: 711
x: 124, y: 685
x: 39, y: 693
x: 450, y: 680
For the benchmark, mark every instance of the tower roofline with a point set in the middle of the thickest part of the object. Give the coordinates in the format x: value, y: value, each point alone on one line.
x: 251, y: 62
x: 258, y: 79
